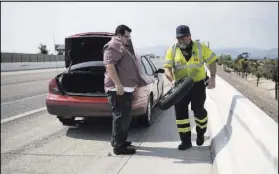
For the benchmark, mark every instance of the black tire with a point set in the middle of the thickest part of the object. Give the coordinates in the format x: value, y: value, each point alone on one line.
x: 162, y: 95
x: 175, y: 94
x: 146, y: 119
x: 67, y: 121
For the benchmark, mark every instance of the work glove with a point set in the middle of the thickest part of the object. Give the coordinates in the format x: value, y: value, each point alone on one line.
x: 211, y: 82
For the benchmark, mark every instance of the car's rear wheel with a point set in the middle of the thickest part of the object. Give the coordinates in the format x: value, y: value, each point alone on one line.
x: 67, y: 121
x: 146, y: 119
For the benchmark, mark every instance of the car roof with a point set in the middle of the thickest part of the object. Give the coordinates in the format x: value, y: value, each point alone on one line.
x: 92, y: 34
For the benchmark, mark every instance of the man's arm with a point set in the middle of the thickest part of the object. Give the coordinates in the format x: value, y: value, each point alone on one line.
x: 168, y: 65
x: 111, y: 58
x: 113, y: 74
x: 212, y: 68
x: 169, y: 74
x: 210, y: 60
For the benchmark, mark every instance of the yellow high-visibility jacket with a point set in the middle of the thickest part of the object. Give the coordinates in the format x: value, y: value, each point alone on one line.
x: 182, y: 68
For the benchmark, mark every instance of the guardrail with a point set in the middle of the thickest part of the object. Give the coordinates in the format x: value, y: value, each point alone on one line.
x: 19, y: 57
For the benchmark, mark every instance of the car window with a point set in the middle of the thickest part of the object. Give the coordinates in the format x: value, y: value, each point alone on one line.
x: 153, y: 66
x: 147, y: 67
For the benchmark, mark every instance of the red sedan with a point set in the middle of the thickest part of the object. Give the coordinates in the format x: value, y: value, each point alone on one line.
x: 79, y: 91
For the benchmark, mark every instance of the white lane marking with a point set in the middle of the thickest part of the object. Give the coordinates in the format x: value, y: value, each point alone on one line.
x: 15, y: 101
x: 31, y: 71
x: 5, y: 120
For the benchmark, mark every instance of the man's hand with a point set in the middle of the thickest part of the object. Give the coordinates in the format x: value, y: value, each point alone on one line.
x: 136, y: 88
x: 119, y: 89
x: 169, y: 75
x: 211, y: 83
x: 172, y: 83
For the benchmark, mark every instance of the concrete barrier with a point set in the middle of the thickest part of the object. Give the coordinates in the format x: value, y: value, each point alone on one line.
x: 5, y: 57
x: 244, y: 138
x: 24, y: 66
x: 18, y: 57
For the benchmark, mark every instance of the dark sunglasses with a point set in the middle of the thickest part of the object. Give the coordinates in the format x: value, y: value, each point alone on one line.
x: 127, y: 36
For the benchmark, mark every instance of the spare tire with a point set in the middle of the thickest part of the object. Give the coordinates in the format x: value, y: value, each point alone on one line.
x: 175, y: 94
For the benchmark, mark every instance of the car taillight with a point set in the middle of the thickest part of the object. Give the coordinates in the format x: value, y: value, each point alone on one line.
x: 53, y: 87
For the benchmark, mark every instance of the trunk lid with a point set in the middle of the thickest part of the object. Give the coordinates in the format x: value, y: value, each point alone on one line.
x: 85, y: 47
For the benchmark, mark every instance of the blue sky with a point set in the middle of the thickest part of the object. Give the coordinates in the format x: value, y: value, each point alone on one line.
x: 24, y: 25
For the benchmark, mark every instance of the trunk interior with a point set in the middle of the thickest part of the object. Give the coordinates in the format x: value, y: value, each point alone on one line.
x: 84, y: 83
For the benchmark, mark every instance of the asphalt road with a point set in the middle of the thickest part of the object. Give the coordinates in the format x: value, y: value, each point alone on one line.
x: 26, y: 90
x: 39, y: 143
x: 23, y: 92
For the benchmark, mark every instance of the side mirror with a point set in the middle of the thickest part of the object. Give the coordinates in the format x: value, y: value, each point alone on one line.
x: 160, y: 71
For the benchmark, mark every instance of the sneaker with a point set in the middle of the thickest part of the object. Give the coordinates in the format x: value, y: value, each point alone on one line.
x: 124, y: 151
x: 200, y: 139
x: 184, y: 146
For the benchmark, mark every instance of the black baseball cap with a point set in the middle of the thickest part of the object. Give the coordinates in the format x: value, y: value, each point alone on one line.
x: 182, y: 30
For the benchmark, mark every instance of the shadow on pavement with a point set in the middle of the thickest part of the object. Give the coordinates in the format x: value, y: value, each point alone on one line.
x: 193, y: 155
x: 223, y: 137
x: 99, y: 128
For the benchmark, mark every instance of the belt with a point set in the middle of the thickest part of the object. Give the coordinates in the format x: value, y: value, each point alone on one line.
x: 204, y: 81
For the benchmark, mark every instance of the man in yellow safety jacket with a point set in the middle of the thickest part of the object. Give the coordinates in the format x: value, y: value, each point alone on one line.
x: 187, y: 58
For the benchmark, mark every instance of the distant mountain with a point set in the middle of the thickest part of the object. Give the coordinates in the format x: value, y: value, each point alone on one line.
x: 254, y: 53
x: 160, y: 50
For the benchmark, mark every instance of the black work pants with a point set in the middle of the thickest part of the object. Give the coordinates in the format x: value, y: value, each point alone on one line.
x: 121, y: 106
x: 197, y: 97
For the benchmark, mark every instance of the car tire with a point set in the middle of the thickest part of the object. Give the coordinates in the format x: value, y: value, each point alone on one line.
x: 67, y: 121
x: 175, y: 94
x: 146, y: 119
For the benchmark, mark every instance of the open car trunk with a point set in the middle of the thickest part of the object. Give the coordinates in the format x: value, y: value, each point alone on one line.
x: 84, y: 60
x: 84, y: 82
x: 83, y: 57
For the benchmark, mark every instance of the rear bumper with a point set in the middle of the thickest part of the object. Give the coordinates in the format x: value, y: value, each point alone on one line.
x: 73, y: 106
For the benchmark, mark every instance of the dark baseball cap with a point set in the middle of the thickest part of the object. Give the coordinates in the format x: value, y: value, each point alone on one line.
x: 182, y: 30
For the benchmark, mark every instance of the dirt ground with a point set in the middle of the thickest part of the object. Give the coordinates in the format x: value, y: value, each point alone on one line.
x: 263, y: 96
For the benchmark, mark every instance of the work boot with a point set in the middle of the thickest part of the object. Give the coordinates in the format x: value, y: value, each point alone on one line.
x: 185, y: 146
x: 200, y: 139
x: 127, y: 144
x: 123, y: 151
